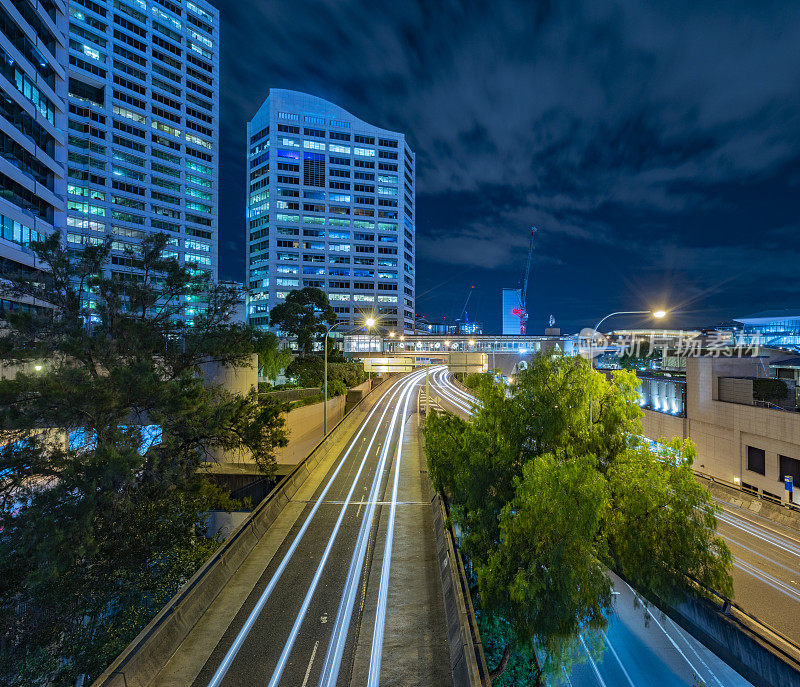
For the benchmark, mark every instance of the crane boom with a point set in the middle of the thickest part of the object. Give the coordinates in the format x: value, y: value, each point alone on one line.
x: 527, y: 272
x: 466, y: 302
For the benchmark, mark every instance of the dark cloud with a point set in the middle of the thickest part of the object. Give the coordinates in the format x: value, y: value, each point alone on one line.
x: 656, y: 145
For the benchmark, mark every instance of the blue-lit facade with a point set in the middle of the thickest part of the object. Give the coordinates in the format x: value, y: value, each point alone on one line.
x: 330, y: 204
x: 33, y: 124
x: 143, y: 129
x: 778, y: 328
x: 511, y: 301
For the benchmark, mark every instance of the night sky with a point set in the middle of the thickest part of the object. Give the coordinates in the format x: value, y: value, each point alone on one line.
x: 656, y: 145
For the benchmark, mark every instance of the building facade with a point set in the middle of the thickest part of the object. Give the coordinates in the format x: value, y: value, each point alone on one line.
x: 747, y: 444
x: 510, y: 320
x: 330, y: 204
x: 143, y: 129
x: 33, y: 121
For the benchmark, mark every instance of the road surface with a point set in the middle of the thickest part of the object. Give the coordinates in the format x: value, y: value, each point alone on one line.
x: 331, y: 605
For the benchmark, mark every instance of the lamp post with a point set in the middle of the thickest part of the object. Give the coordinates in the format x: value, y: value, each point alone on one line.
x: 325, y: 379
x: 657, y: 314
x: 369, y: 323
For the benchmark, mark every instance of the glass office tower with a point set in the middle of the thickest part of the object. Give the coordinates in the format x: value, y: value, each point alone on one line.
x: 143, y: 129
x: 330, y: 204
x: 33, y: 121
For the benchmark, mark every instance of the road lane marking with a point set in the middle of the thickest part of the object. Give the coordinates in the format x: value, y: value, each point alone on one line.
x: 333, y: 657
x: 278, y: 672
x: 376, y: 653
x: 613, y: 651
x: 591, y: 660
x: 310, y: 663
x: 222, y: 669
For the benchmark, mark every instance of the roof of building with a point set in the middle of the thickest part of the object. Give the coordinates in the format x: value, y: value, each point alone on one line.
x: 770, y: 316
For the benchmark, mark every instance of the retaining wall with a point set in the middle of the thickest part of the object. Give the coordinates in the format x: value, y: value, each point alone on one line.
x: 141, y: 661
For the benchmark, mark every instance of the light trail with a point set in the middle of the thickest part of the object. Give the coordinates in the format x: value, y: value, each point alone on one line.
x: 333, y: 657
x: 230, y: 655
x: 376, y: 653
x: 783, y: 543
x: 767, y: 579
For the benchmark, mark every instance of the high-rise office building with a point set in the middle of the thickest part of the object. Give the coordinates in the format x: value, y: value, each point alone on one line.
x: 330, y: 204
x: 511, y: 305
x: 32, y: 120
x: 143, y: 128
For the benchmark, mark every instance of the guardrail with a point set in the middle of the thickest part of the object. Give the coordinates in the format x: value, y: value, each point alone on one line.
x: 467, y: 659
x: 141, y: 661
x: 762, y: 654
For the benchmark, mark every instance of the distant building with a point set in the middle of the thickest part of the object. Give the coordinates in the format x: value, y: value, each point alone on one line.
x: 143, y: 129
x: 511, y: 300
x: 240, y: 316
x: 743, y: 438
x: 331, y: 205
x: 469, y: 328
x: 779, y: 328
x: 33, y: 120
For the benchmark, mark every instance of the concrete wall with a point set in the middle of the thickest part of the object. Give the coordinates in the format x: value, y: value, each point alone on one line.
x: 141, y: 661
x: 304, y: 425
x: 722, y: 431
x: 663, y: 425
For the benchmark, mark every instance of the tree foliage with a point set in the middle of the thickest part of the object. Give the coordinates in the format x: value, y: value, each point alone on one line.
x: 310, y: 371
x: 305, y: 314
x: 545, y: 503
x: 272, y: 360
x: 102, y: 491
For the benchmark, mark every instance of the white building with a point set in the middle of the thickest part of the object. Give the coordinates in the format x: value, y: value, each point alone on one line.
x: 143, y: 128
x: 330, y: 204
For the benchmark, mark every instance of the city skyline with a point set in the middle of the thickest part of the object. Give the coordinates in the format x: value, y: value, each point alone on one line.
x: 658, y: 177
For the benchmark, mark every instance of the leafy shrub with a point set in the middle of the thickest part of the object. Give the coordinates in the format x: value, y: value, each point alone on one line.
x: 336, y: 387
x: 309, y: 371
x: 769, y: 389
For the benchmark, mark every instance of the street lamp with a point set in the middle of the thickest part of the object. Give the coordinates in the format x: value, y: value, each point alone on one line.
x: 657, y: 314
x: 325, y: 379
x: 369, y: 323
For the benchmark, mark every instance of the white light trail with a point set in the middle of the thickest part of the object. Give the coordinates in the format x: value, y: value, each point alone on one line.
x: 374, y: 675
x: 223, y: 667
x: 406, y: 386
x: 333, y: 657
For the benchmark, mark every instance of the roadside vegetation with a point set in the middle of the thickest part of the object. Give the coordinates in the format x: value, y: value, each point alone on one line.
x: 105, y: 428
x: 546, y: 504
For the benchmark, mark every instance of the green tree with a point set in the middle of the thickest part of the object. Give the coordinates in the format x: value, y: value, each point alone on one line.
x: 544, y: 502
x: 103, y: 493
x: 271, y: 359
x: 305, y: 314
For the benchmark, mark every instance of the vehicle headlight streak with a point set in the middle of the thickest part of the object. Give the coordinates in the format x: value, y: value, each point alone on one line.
x: 251, y: 619
x: 333, y: 658
x: 376, y: 654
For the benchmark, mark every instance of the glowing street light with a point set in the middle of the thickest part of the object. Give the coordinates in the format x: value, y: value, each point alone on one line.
x: 656, y: 314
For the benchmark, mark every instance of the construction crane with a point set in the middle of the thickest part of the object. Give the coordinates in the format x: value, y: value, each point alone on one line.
x: 521, y: 310
x: 464, y: 317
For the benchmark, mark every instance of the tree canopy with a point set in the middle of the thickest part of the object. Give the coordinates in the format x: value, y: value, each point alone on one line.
x: 305, y: 314
x: 106, y: 426
x: 545, y: 503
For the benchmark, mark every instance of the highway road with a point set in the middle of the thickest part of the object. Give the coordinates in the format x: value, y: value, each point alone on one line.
x: 766, y: 567
x: 640, y: 648
x: 305, y: 617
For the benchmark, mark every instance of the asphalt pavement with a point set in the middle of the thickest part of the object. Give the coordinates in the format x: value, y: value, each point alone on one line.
x: 345, y: 540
